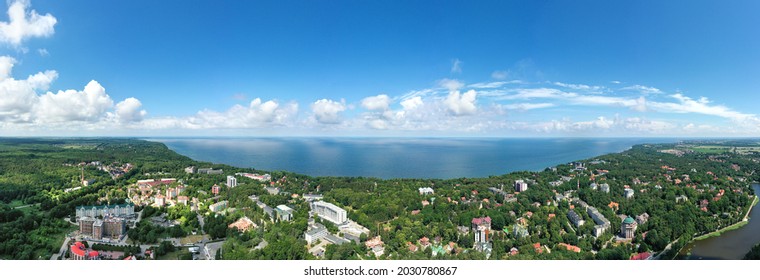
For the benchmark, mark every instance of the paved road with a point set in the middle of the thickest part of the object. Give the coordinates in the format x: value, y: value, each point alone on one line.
x: 63, y: 249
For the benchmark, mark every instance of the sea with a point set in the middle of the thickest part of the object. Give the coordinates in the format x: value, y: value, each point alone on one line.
x: 386, y: 158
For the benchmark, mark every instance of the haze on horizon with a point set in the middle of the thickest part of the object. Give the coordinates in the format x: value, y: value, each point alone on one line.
x: 391, y: 68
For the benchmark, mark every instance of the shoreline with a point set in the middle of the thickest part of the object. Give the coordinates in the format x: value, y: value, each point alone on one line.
x: 720, y: 231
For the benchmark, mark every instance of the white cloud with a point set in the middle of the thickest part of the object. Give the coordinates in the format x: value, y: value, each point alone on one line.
x: 531, y: 93
x: 25, y: 24
x: 491, y: 85
x: 643, y: 89
x: 580, y: 87
x: 71, y: 105
x: 461, y: 104
x: 412, y: 103
x: 327, y: 111
x: 701, y: 106
x: 500, y: 75
x: 456, y: 66
x: 528, y: 106
x: 18, y: 97
x: 450, y: 84
x: 43, y: 52
x: 130, y: 110
x: 378, y: 102
x: 615, y: 82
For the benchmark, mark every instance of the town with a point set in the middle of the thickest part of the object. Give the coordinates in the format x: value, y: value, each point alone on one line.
x: 645, y: 203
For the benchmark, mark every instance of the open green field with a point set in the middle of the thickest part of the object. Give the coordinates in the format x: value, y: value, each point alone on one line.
x: 712, y: 149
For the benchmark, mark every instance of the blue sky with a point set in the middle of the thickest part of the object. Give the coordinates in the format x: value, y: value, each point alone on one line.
x: 379, y: 68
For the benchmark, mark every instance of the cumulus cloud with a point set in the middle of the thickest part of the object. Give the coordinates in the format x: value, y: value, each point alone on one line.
x: 71, y: 105
x: 450, y: 84
x: 18, y: 97
x: 461, y: 104
x: 327, y: 111
x: 24, y: 23
x: 130, y: 110
x: 412, y: 103
x: 380, y: 102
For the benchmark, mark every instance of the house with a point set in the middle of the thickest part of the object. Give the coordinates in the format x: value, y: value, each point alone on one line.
x: 575, y: 218
x: 570, y: 247
x: 426, y: 191
x: 284, y: 213
x: 243, y: 224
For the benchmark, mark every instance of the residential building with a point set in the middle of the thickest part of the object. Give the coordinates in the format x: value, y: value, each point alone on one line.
x: 110, y: 227
x: 215, y: 189
x: 628, y: 228
x: 284, y: 213
x: 219, y: 206
x: 575, y: 218
x: 602, y: 224
x: 628, y: 193
x: 426, y: 191
x: 190, y: 170
x: 329, y: 211
x: 231, y: 181
x: 605, y: 187
x: 312, y: 197
x: 521, y: 186
x: 182, y: 199
x: 643, y: 218
x: 79, y: 252
x: 117, y: 210
x: 210, y: 171
x: 243, y: 224
x: 160, y: 200
x: 315, y: 232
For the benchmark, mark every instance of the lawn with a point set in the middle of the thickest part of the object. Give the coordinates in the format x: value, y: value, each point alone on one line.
x: 192, y: 239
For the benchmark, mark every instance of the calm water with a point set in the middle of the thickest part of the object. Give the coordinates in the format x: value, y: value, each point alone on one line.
x: 731, y: 245
x: 398, y: 157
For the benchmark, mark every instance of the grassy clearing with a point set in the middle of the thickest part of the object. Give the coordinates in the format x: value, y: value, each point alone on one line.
x: 725, y: 229
x: 192, y: 239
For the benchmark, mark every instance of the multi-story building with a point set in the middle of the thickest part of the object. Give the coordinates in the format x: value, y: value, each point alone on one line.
x: 604, y: 187
x: 602, y: 224
x: 284, y: 213
x: 171, y: 193
x: 575, y: 218
x: 629, y: 193
x: 426, y: 191
x: 628, y: 228
x: 110, y: 227
x: 219, y: 206
x: 329, y: 211
x: 215, y: 189
x: 210, y: 171
x: 160, y: 200
x: 482, y: 228
x: 521, y: 186
x: 190, y: 170
x: 315, y: 232
x: 120, y: 210
x: 231, y: 181
x: 182, y: 199
x: 114, y: 228
x: 79, y: 252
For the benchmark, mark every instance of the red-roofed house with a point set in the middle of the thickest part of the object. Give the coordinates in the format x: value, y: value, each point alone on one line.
x: 641, y: 256
x: 79, y: 252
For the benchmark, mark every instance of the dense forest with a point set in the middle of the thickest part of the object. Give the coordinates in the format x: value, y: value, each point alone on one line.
x: 670, y: 187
